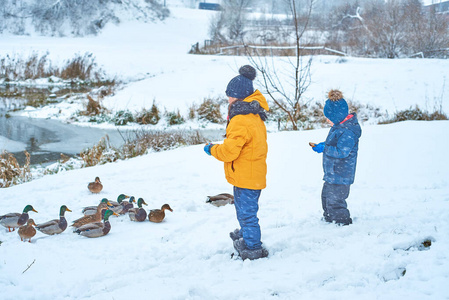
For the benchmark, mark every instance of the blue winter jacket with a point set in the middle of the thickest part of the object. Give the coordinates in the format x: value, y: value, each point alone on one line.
x: 340, y: 152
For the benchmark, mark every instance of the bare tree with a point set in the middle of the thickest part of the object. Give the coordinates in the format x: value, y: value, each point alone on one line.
x: 287, y: 94
x: 229, y: 25
x: 74, y: 17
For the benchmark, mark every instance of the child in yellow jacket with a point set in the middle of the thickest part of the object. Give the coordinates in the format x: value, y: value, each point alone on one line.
x: 244, y: 153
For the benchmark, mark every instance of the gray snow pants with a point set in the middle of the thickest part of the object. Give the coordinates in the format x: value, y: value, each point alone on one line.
x: 333, y: 200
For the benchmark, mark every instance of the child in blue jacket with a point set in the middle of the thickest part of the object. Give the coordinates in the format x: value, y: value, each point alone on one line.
x: 339, y: 158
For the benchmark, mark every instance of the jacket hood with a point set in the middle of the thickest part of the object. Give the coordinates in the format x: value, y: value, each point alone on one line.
x: 353, y: 125
x: 257, y: 96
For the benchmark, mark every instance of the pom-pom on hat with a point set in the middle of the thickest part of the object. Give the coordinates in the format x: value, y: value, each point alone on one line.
x: 336, y: 109
x: 241, y: 86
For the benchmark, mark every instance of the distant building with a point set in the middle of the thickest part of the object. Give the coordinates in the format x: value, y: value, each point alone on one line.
x: 442, y: 7
x: 209, y: 6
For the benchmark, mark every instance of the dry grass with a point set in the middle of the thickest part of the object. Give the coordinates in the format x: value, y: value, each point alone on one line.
x: 415, y: 114
x: 80, y: 68
x: 101, y: 153
x: 11, y: 173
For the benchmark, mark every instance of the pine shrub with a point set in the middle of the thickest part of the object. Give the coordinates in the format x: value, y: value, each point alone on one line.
x: 174, y: 118
x: 123, y: 117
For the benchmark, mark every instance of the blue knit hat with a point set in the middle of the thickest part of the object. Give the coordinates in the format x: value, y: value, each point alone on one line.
x: 241, y: 86
x: 336, y: 109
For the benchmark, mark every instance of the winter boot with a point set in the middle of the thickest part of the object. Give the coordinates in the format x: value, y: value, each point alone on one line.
x: 254, y: 254
x: 246, y: 253
x: 235, y: 235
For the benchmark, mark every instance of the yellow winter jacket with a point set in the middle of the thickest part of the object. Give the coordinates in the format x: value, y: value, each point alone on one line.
x: 244, y: 151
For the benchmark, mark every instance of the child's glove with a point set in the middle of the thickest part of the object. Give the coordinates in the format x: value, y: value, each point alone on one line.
x: 319, y: 148
x: 207, y: 148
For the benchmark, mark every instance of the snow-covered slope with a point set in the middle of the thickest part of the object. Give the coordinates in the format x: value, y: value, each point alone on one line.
x: 400, y: 198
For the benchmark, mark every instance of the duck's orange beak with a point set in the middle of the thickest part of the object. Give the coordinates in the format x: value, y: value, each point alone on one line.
x: 115, y: 214
x: 68, y: 210
x: 34, y: 210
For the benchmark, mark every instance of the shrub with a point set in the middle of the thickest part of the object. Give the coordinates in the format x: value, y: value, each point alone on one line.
x: 102, y: 118
x: 123, y: 117
x: 149, y: 117
x: 101, y: 153
x: 415, y: 114
x: 210, y: 110
x: 144, y: 141
x: 11, y: 173
x: 174, y: 118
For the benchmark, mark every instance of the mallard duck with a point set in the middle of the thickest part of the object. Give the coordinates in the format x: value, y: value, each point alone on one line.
x: 157, y: 215
x: 138, y: 214
x: 95, y: 186
x: 14, y: 220
x: 26, y: 232
x: 97, y: 229
x: 117, y: 206
x: 220, y: 199
x: 92, y: 210
x: 54, y: 226
x: 92, y: 218
x: 127, y: 205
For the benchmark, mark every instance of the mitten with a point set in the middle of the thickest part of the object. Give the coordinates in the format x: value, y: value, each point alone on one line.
x: 319, y: 147
x: 207, y: 148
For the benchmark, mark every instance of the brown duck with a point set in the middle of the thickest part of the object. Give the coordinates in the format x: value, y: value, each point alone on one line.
x: 96, y: 186
x: 26, y: 232
x: 92, y: 218
x: 157, y: 215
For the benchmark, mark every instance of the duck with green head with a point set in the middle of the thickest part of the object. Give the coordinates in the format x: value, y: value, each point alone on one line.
x: 15, y: 220
x: 55, y: 226
x: 138, y: 214
x: 97, y: 229
x: 92, y: 210
x: 117, y: 205
x: 127, y: 205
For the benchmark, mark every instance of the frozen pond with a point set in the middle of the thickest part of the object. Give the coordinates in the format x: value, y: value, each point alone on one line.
x: 46, y: 139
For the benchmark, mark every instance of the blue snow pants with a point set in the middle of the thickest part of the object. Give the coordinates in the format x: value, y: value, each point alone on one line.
x: 246, y: 203
x: 333, y: 200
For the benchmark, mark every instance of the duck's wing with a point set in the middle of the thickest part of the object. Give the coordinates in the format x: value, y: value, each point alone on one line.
x: 10, y: 215
x: 49, y: 227
x: 89, y: 208
x: 91, y: 226
x: 47, y: 224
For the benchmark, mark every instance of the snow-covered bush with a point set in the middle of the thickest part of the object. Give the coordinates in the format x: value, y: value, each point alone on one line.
x: 123, y: 117
x: 210, y: 110
x: 415, y: 114
x: 11, y: 173
x: 151, y: 116
x: 74, y: 18
x: 101, y: 153
x: 174, y: 118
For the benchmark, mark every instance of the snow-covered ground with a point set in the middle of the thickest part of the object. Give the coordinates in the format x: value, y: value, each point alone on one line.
x: 399, y: 199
